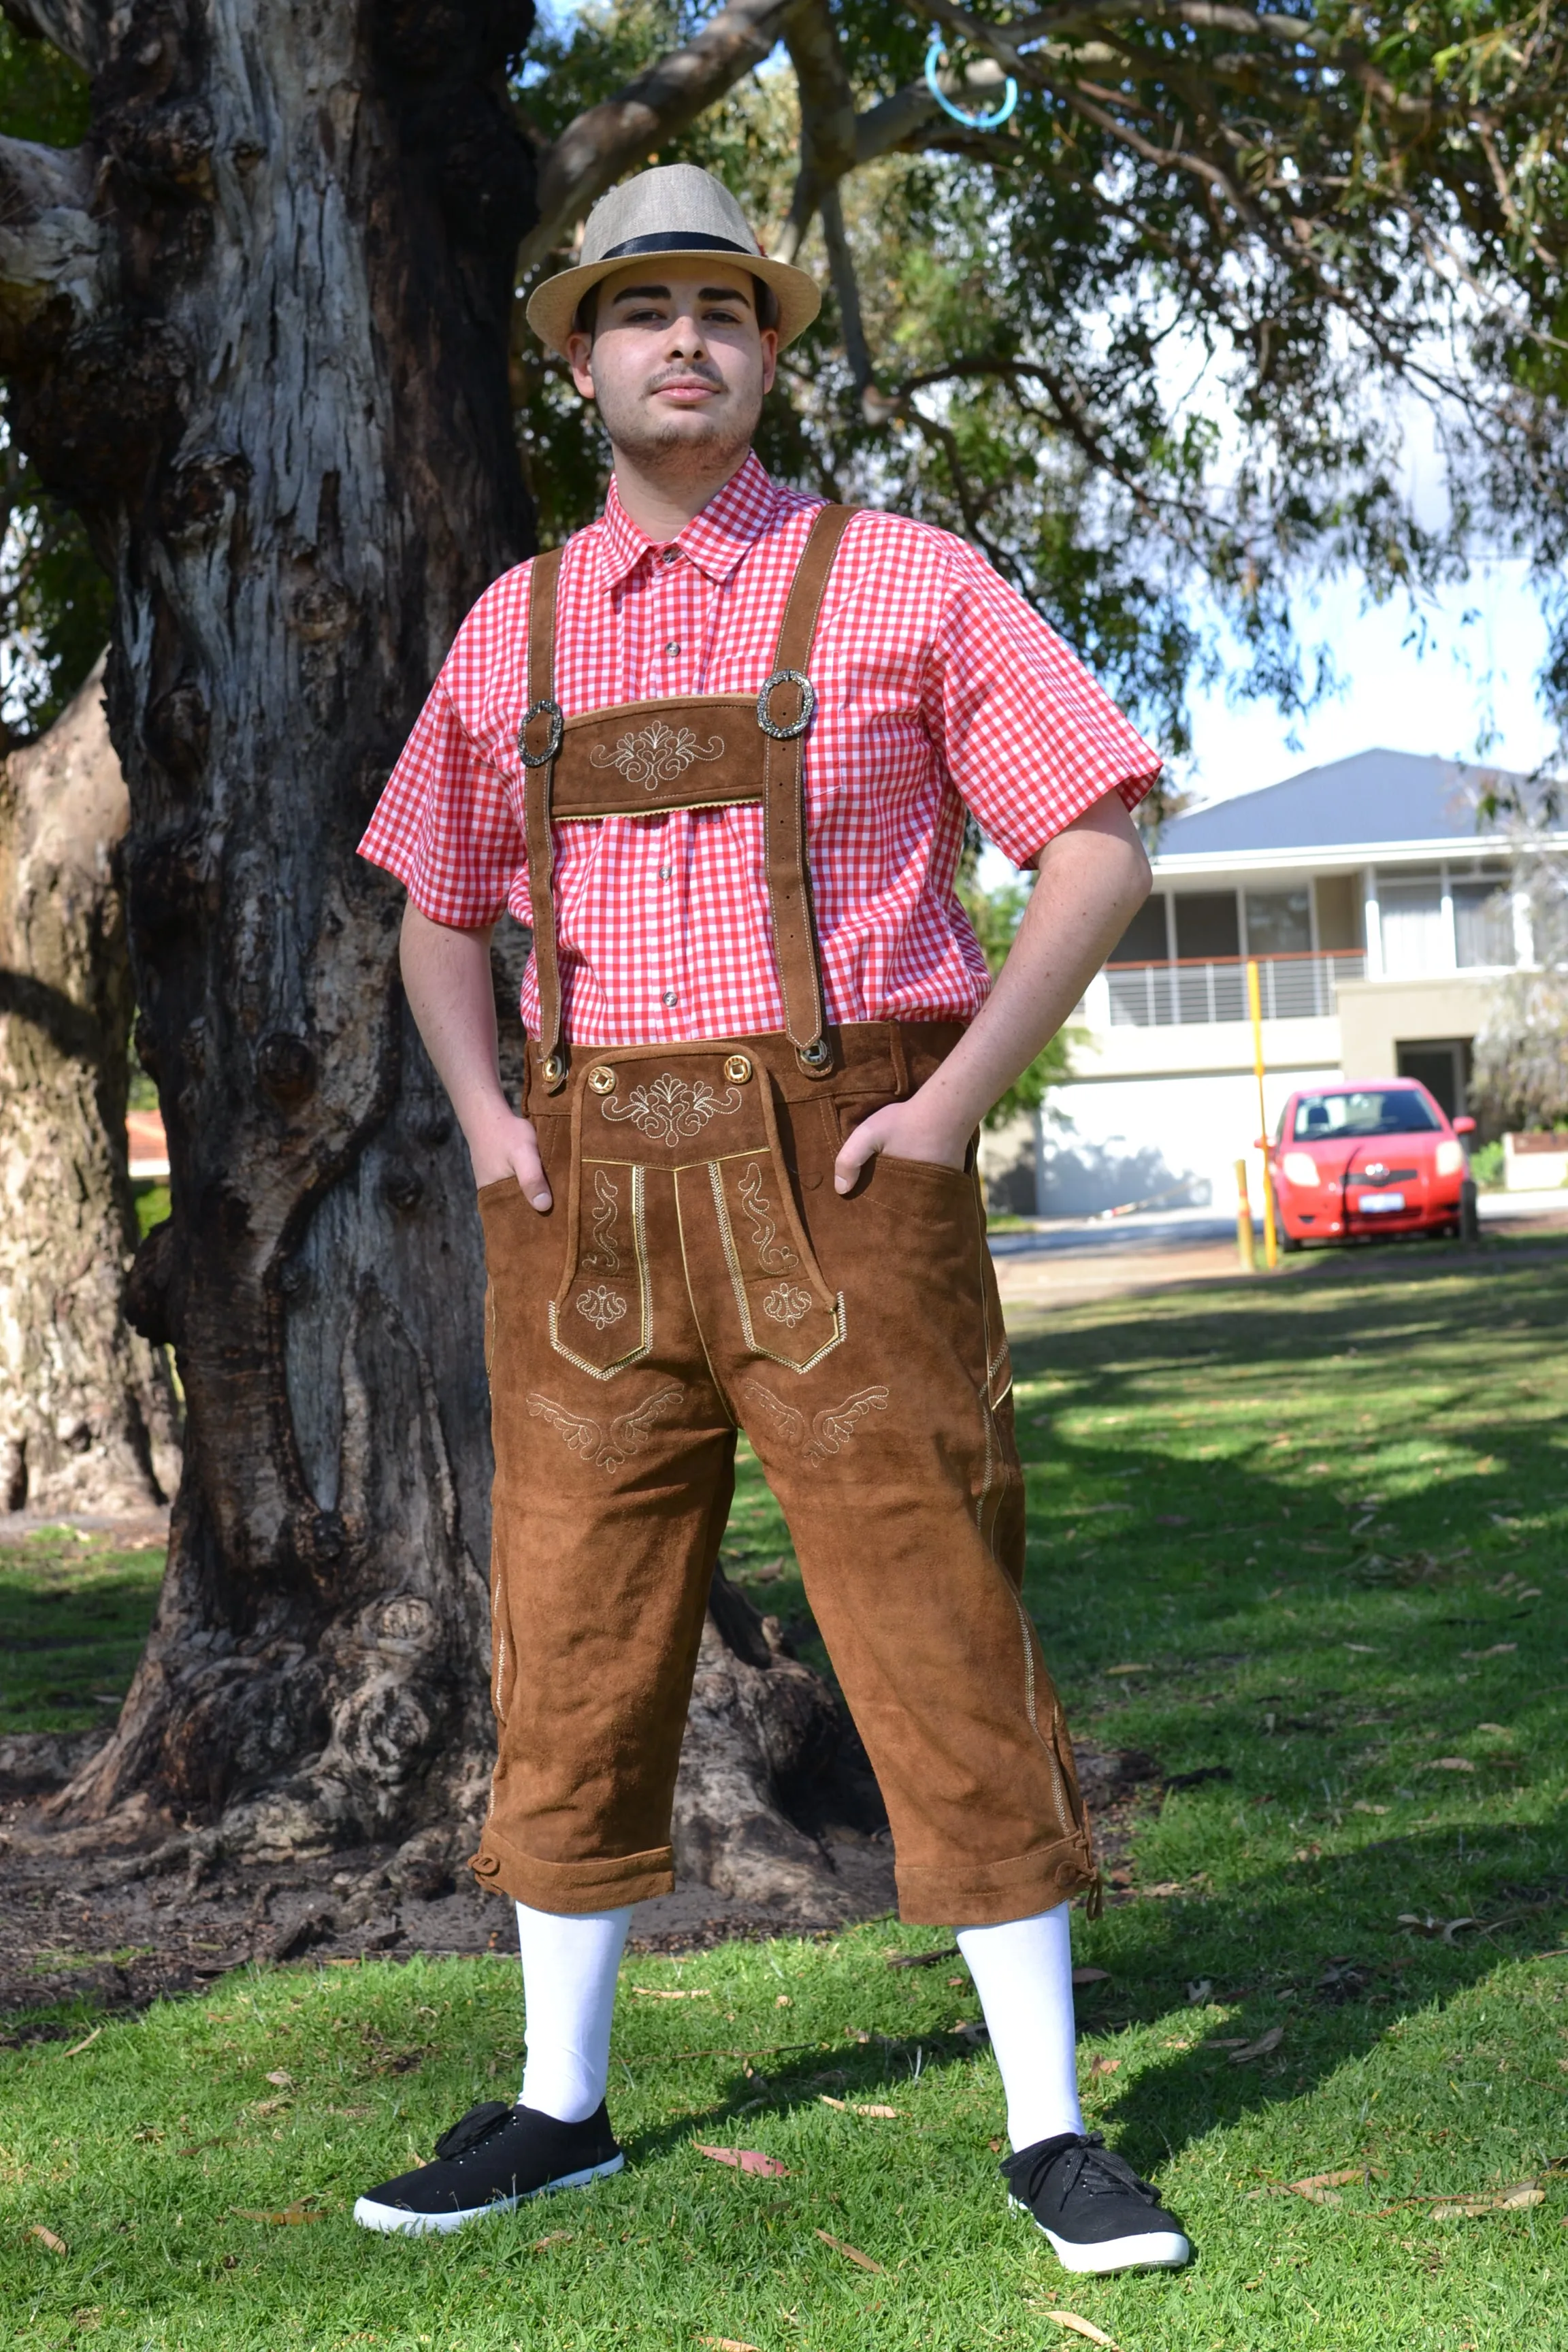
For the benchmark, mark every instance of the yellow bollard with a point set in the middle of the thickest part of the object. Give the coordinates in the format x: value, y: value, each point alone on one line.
x: 1271, y: 1238
x: 1244, y: 1221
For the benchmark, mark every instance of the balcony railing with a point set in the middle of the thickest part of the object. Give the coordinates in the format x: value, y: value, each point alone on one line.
x: 1165, y: 995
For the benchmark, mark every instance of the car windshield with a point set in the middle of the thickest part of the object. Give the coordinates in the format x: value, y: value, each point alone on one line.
x: 1376, y: 1110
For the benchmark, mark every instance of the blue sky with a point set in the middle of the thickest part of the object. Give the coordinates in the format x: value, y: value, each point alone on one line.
x: 1474, y: 676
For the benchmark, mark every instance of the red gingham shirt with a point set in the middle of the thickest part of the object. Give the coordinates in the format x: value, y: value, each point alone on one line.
x: 937, y: 688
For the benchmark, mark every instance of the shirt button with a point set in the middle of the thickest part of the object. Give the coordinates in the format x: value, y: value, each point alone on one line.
x: 672, y: 650
x: 669, y: 996
x: 665, y: 872
x: 670, y: 555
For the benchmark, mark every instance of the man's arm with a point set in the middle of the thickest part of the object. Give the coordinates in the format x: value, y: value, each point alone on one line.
x: 1093, y: 880
x: 446, y: 974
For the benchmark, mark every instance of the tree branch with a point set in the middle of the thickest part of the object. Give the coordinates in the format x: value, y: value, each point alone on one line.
x: 50, y: 247
x: 592, y: 151
x: 78, y: 28
x: 846, y: 293
x: 827, y: 116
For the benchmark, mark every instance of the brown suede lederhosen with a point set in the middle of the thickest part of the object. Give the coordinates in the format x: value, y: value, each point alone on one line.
x: 698, y: 1273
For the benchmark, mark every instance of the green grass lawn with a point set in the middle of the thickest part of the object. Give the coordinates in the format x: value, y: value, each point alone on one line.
x: 74, y: 1613
x: 1322, y: 1524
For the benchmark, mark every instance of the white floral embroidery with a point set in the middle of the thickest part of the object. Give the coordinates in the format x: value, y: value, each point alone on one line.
x: 772, y: 1256
x: 603, y: 1257
x: 601, y: 1306
x: 672, y: 1109
x: 627, y: 1434
x: 656, y: 754
x: 789, y: 1425
x: 787, y: 1307
x: 833, y: 1428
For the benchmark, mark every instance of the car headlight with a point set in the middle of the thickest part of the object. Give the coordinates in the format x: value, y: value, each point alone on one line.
x: 1299, y: 1167
x: 1450, y: 1156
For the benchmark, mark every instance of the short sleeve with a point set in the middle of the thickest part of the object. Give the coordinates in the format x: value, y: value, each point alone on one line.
x: 444, y: 824
x: 1028, y: 739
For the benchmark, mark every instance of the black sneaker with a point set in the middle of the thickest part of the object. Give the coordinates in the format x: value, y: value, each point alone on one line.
x: 1092, y: 2206
x: 491, y: 2160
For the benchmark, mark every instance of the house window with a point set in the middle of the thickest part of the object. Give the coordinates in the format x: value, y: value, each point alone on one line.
x: 1414, y: 933
x: 1483, y: 924
x: 1143, y: 941
x: 1278, y: 922
x: 1207, y: 927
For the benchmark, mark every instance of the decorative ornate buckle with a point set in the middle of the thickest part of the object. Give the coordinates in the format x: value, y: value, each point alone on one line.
x: 602, y: 1079
x: 557, y: 729
x: 769, y: 725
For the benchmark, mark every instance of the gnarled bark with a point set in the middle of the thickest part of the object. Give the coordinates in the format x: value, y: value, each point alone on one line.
x: 273, y: 380
x: 87, y: 1412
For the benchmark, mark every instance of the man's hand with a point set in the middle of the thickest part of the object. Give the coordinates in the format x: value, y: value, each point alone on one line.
x: 447, y: 976
x: 507, y: 1146
x: 906, y: 1131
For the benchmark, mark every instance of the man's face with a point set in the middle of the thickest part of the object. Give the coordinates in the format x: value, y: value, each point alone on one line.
x: 676, y: 361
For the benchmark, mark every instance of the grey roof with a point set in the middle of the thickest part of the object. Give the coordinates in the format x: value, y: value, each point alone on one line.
x: 1376, y: 796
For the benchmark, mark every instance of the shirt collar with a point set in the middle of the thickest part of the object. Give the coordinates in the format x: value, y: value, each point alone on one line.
x: 714, y: 541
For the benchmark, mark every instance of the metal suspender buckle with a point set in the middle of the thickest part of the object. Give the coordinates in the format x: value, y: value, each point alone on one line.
x: 815, y: 1058
x: 770, y: 725
x: 557, y: 729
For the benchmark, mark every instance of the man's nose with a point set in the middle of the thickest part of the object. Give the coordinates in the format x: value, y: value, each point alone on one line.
x: 686, y: 338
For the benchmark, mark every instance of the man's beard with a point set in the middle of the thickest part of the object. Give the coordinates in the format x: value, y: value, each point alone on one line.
x: 669, y: 445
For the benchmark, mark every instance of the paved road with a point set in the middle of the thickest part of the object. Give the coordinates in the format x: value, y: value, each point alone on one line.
x: 1063, y: 1263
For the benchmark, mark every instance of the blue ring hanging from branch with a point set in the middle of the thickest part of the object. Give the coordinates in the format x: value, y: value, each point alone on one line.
x: 993, y: 121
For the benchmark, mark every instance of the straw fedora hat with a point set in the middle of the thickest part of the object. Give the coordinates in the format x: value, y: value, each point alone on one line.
x: 683, y: 213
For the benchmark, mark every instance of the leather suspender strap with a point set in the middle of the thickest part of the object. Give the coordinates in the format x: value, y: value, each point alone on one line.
x: 539, y: 741
x: 784, y: 709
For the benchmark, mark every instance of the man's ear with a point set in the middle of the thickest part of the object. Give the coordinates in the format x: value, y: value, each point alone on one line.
x: 579, y: 356
x: 770, y: 342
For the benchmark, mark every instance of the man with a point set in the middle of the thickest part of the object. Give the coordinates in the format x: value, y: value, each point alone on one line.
x: 717, y: 752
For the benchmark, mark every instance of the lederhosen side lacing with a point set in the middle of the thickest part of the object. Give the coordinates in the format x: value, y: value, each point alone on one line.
x: 682, y: 751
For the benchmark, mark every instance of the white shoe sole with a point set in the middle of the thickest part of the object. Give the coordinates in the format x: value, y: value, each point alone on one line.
x: 1156, y: 2249
x: 397, y: 2221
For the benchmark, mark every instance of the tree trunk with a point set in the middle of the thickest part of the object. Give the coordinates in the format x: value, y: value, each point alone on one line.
x: 87, y: 1412
x: 259, y: 331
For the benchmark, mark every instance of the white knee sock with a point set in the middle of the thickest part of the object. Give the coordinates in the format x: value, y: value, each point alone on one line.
x: 569, y: 1965
x: 1023, y: 1973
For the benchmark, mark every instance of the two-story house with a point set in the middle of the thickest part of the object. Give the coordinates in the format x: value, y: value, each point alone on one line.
x: 1379, y: 913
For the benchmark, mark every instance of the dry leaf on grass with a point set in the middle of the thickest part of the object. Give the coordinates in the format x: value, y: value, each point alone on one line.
x: 284, y: 2081
x: 1447, y: 1764
x: 852, y: 2253
x: 1083, y: 2328
x: 272, y: 2106
x: 556, y: 2238
x: 656, y: 1992
x: 48, y: 2238
x: 1522, y: 2194
x: 727, y: 2344
x: 1446, y: 1929
x: 744, y: 2160
x: 876, y: 2111
x: 77, y: 2047
x: 1317, y: 2188
x: 291, y: 2214
x: 1130, y: 1670
x: 1258, y: 2049
x: 1091, y: 1976
x: 1105, y: 2065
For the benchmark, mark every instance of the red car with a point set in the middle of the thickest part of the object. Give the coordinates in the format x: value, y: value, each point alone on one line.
x: 1378, y: 1156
